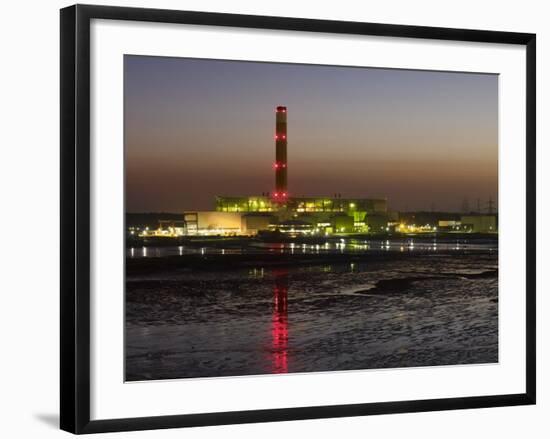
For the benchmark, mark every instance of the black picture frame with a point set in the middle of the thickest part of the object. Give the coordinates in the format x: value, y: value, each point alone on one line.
x: 75, y: 217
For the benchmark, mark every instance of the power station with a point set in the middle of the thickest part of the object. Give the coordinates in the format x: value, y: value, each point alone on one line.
x: 278, y: 211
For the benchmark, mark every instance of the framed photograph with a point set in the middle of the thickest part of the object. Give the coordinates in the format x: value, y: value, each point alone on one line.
x: 268, y: 218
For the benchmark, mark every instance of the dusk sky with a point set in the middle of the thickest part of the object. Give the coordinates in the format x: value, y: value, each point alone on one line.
x: 196, y: 128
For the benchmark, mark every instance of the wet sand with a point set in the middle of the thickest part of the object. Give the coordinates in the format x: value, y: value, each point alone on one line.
x: 256, y: 314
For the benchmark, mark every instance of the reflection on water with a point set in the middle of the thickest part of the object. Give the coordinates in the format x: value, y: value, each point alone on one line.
x: 342, y: 245
x: 279, y: 331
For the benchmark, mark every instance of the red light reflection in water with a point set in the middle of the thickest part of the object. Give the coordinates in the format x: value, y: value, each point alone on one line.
x: 279, y: 327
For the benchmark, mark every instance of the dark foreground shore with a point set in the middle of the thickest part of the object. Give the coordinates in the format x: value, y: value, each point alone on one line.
x: 241, y: 314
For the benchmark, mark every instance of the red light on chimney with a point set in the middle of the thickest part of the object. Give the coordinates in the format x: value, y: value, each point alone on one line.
x: 283, y: 136
x: 276, y: 137
x: 284, y: 194
x: 275, y: 165
x: 283, y: 165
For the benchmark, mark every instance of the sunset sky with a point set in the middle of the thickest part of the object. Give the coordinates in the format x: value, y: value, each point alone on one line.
x: 199, y: 128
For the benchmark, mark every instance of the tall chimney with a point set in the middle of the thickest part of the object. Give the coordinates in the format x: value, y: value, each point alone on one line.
x: 281, y: 191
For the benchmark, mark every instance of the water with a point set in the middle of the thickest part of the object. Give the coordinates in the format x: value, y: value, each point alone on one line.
x: 423, y: 309
x: 330, y: 245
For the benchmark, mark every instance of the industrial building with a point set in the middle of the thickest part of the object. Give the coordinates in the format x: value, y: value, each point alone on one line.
x: 479, y: 223
x: 279, y: 211
x: 226, y: 223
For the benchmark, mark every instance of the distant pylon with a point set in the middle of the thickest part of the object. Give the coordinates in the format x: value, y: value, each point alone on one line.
x: 490, y: 206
